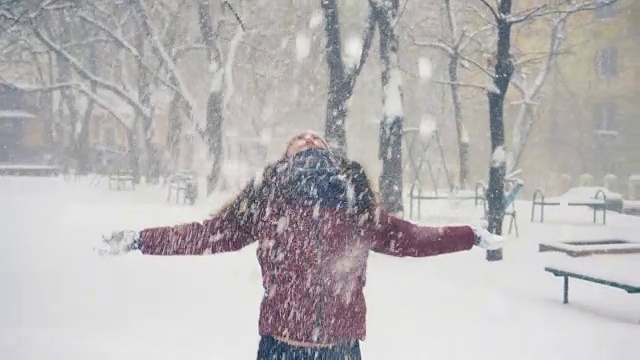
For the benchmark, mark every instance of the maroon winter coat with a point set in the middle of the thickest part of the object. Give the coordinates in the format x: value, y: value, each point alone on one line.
x: 313, y: 260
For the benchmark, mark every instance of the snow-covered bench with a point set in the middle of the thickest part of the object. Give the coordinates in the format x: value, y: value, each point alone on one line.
x: 595, y: 198
x: 617, y: 271
x: 579, y: 248
x: 183, y: 183
x: 121, y: 179
x: 416, y: 195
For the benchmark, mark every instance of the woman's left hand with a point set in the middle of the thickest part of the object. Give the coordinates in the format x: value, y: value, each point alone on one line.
x: 486, y: 240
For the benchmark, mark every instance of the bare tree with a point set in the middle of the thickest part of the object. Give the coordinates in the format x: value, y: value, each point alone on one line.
x: 454, y: 45
x: 503, y: 66
x: 391, y: 124
x: 530, y: 91
x: 342, y: 78
x: 220, y: 67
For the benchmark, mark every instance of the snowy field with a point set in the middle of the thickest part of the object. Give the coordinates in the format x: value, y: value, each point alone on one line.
x: 60, y: 300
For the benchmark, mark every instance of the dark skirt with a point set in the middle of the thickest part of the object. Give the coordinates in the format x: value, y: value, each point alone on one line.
x: 272, y: 349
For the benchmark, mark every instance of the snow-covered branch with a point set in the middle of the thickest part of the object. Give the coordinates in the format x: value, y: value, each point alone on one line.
x: 529, y: 14
x: 81, y: 89
x: 90, y: 77
x: 571, y: 7
x: 231, y: 55
x: 491, y: 9
x: 124, y: 44
x: 524, y: 120
x: 162, y: 54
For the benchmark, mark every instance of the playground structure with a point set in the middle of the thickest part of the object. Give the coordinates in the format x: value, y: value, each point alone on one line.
x: 426, y: 164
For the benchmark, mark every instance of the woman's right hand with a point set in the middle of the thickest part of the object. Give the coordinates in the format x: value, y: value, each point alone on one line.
x: 119, y: 242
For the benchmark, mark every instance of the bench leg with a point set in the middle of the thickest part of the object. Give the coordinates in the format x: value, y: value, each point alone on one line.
x: 565, y: 292
x: 410, y: 207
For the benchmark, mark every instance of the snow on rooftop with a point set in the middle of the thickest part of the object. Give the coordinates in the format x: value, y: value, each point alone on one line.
x: 16, y: 114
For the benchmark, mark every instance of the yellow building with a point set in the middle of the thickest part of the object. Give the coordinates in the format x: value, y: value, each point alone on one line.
x: 587, y: 117
x: 589, y: 112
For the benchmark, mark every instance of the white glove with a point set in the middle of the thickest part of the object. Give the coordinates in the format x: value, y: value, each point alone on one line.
x: 486, y: 240
x: 119, y: 242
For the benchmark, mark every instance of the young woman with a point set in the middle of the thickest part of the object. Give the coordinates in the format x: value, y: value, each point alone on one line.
x: 315, y: 218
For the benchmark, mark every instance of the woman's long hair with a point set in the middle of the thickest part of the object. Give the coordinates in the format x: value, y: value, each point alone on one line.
x: 255, y: 196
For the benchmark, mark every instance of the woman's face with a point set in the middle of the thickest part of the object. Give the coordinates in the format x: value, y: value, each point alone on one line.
x: 305, y: 141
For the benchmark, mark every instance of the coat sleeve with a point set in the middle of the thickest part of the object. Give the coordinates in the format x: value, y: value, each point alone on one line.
x: 397, y: 237
x: 211, y: 236
x: 230, y: 230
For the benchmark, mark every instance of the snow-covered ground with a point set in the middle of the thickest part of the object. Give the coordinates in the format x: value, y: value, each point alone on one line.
x: 59, y: 300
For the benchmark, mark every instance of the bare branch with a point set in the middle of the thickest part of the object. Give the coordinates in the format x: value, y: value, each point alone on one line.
x: 477, y: 64
x: 473, y: 36
x: 83, y: 90
x: 366, y: 46
x: 162, y: 54
x: 139, y: 108
x: 235, y: 14
x: 436, y: 45
x: 473, y: 86
x: 482, y: 16
x: 124, y: 44
x: 544, y: 10
x: 493, y: 11
x: 528, y: 14
x: 117, y: 38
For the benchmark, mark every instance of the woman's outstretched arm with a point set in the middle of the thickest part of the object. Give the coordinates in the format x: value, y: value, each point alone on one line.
x: 398, y: 237
x: 229, y: 230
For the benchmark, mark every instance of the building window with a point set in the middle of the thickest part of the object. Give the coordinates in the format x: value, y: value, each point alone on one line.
x: 109, y: 137
x: 606, y: 11
x: 607, y: 62
x: 604, y: 115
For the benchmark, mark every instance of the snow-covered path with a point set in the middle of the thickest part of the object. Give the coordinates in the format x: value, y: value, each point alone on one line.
x: 60, y: 300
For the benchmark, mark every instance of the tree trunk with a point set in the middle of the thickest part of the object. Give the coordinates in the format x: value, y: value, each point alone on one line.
x: 68, y: 98
x: 175, y: 128
x: 214, y: 138
x: 339, y: 92
x: 454, y: 61
x: 341, y: 79
x: 391, y: 126
x: 214, y: 115
x: 462, y: 136
x: 503, y: 71
x: 152, y: 171
x: 82, y: 143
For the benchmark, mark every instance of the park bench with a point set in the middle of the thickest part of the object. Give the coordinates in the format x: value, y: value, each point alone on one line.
x: 616, y: 271
x: 631, y: 289
x: 598, y: 203
x: 121, y: 180
x: 184, y: 188
x: 417, y: 195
